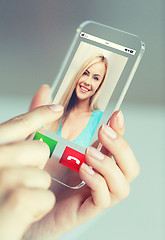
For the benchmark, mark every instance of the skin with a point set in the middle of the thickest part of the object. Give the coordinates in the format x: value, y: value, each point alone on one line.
x: 22, y: 180
x: 89, y: 82
x: 105, y: 187
x: 86, y: 87
x: 27, y: 206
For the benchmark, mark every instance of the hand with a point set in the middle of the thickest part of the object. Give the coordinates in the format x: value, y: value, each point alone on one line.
x: 106, y: 184
x: 24, y: 197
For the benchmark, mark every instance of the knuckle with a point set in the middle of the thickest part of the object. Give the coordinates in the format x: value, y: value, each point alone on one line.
x: 20, y: 202
x: 111, y: 164
x: 20, y: 119
x: 3, y: 151
x: 46, y: 150
x: 134, y: 173
x: 23, y: 120
x: 18, y: 197
x: 137, y: 171
x: 5, y: 175
x: 124, y: 194
x: 47, y: 178
x: 108, y: 166
x: 127, y: 192
x: 107, y: 203
x: 43, y: 153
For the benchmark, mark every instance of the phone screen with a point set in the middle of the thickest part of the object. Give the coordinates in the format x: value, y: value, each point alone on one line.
x: 86, y: 90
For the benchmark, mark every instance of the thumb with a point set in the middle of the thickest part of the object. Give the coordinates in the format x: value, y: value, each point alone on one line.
x: 116, y: 122
x: 40, y: 97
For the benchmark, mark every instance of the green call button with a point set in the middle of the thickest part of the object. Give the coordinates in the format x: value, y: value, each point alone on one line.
x: 49, y: 141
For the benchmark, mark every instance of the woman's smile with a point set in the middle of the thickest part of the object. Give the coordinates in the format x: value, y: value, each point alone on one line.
x: 83, y: 89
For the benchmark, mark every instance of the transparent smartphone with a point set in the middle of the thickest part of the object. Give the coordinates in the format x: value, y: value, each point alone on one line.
x: 91, y: 84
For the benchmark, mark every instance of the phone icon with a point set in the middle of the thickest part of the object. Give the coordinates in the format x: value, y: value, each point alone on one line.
x: 49, y: 141
x: 74, y: 159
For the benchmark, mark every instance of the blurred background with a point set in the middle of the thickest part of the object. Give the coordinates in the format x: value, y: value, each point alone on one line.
x: 34, y: 38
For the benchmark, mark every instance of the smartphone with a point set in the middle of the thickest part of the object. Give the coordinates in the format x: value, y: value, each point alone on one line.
x: 91, y: 85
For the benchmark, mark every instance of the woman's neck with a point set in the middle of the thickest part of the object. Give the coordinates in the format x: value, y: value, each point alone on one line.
x: 82, y: 106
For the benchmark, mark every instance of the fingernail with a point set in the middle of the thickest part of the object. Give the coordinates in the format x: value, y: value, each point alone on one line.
x: 120, y: 119
x: 56, y: 107
x: 109, y: 132
x: 45, y: 85
x: 87, y: 169
x: 95, y: 153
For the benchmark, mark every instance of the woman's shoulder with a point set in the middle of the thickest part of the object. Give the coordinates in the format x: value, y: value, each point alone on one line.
x: 97, y: 112
x: 96, y: 115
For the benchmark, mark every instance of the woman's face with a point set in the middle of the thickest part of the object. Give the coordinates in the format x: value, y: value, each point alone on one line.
x: 90, y: 80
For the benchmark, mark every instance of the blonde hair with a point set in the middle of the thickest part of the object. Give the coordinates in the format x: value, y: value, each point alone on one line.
x: 68, y: 94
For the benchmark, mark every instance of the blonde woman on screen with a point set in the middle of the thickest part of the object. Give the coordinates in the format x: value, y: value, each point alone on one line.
x: 81, y: 114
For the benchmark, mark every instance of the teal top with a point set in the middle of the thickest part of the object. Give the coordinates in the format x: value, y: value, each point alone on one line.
x: 86, y: 135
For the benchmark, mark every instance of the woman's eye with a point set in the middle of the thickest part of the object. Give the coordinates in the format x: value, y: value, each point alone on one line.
x: 85, y: 73
x: 96, y: 78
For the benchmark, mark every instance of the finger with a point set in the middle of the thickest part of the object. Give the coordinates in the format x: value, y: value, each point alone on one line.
x: 22, y: 126
x: 26, y: 153
x: 23, y: 206
x: 40, y: 96
x: 116, y: 181
x: 11, y: 178
x: 100, y: 198
x: 117, y: 122
x: 120, y: 150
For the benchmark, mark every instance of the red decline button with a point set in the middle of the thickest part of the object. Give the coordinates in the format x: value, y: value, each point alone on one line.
x: 72, y: 159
